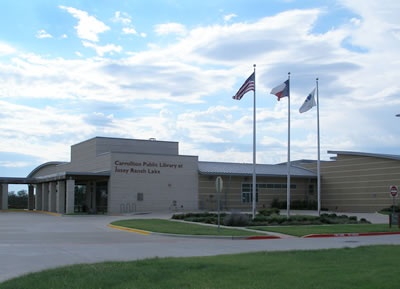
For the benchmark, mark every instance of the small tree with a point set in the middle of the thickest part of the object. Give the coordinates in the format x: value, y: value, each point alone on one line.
x: 18, y: 200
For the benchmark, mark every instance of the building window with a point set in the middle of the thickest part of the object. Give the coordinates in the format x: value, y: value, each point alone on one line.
x: 247, y: 193
x: 247, y: 190
x: 139, y: 197
x: 280, y: 186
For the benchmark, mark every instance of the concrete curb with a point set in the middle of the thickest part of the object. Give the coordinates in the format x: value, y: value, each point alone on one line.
x: 32, y: 211
x: 350, y: 235
x: 143, y: 232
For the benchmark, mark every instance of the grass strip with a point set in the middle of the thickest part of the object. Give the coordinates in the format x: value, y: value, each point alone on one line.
x: 182, y: 228
x: 300, y: 231
x: 350, y: 268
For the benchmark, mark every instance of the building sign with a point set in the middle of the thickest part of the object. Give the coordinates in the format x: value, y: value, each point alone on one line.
x: 151, y: 167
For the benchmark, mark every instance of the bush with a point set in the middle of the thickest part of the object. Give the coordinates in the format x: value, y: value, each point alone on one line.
x: 236, y: 220
x: 278, y: 204
x: 208, y: 218
x: 390, y: 210
x: 260, y: 218
x: 267, y: 217
x: 276, y: 220
x: 269, y: 212
x: 304, y: 205
x: 295, y: 204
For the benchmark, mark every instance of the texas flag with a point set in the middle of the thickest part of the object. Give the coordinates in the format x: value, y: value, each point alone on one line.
x: 281, y: 90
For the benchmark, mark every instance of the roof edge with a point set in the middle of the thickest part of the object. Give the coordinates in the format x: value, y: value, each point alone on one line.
x: 364, y: 154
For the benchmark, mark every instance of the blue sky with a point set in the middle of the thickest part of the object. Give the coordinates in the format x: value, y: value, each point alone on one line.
x: 167, y: 69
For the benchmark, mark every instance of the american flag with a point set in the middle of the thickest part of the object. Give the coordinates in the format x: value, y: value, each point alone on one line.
x: 247, y: 86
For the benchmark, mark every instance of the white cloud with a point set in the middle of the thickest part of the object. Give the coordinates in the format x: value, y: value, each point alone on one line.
x: 182, y: 92
x: 101, y: 50
x: 88, y: 26
x: 6, y: 49
x: 170, y: 28
x: 129, y: 30
x: 229, y: 17
x: 43, y: 34
x: 122, y: 17
x: 13, y: 164
x: 126, y: 20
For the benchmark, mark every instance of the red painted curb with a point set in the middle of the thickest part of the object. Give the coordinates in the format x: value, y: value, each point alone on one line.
x: 350, y: 234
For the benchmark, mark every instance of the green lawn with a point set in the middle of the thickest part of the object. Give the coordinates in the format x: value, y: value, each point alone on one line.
x: 326, y: 229
x: 183, y: 228
x: 187, y: 228
x: 364, y: 267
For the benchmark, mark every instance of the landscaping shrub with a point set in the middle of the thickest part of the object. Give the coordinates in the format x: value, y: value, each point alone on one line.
x: 268, y: 217
x: 269, y: 212
x: 208, y: 218
x: 236, y: 220
x: 390, y: 210
x: 276, y: 203
x: 303, y: 220
x: 304, y: 205
x: 295, y: 204
x: 260, y: 218
x: 276, y: 220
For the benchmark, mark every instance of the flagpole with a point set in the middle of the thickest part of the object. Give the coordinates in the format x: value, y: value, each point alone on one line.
x: 288, y: 157
x: 254, y: 147
x: 319, y: 153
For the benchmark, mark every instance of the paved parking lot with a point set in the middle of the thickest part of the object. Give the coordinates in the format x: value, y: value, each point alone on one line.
x: 31, y: 242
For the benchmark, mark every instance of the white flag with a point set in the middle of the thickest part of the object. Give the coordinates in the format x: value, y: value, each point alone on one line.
x: 309, y: 103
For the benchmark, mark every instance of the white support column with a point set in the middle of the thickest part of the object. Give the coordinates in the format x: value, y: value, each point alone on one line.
x: 60, y: 207
x: 4, y: 196
x: 70, y: 193
x: 39, y: 196
x: 45, y: 198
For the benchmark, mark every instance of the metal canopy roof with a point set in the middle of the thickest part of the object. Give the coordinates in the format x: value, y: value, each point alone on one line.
x: 245, y: 169
x: 56, y: 177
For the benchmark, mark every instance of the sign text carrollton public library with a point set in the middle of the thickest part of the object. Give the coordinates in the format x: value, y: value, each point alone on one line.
x: 151, y: 167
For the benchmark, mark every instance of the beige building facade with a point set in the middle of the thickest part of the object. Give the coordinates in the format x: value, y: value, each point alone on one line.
x: 359, y: 182
x: 271, y: 184
x: 123, y: 176
x: 114, y: 176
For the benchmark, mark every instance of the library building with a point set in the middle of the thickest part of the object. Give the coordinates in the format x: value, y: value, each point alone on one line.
x: 126, y: 176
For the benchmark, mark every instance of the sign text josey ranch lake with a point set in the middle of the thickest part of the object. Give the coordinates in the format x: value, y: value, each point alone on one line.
x: 134, y: 167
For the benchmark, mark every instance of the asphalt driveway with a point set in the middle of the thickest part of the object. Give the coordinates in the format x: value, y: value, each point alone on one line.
x: 31, y: 242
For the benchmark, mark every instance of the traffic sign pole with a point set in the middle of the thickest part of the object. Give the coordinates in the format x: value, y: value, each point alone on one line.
x: 393, y: 192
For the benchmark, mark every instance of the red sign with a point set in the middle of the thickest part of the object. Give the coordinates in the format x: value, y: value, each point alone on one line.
x: 393, y: 191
